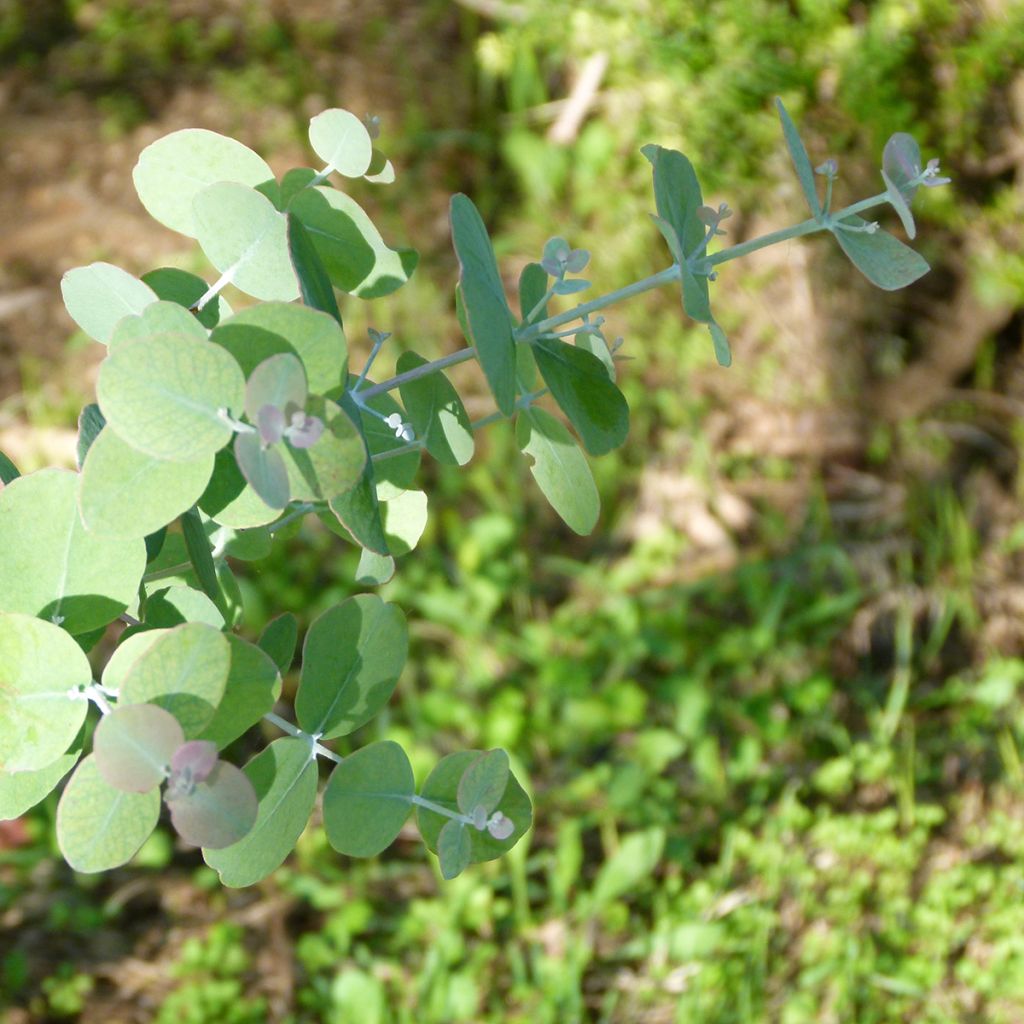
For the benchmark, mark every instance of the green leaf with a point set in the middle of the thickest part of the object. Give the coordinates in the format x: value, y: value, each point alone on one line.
x: 8, y: 470
x: 279, y: 380
x: 374, y: 570
x: 405, y: 519
x: 352, y: 657
x: 266, y: 329
x: 341, y: 140
x: 560, y: 469
x: 882, y: 259
x: 198, y: 547
x: 368, y: 799
x: 899, y: 204
x: 219, y: 812
x: 253, y: 687
x: 801, y: 161
x: 245, y: 237
x: 901, y: 164
x: 185, y: 672
x: 597, y: 347
x: 99, y: 827
x: 279, y: 639
x: 331, y: 466
x: 677, y: 194
x: 454, y: 849
x: 163, y: 396
x: 157, y: 319
x: 631, y: 864
x: 314, y: 281
x: 359, y: 511
x: 21, y: 791
x: 483, y: 296
x: 722, y: 351
x: 668, y: 232
x: 284, y: 777
x: 167, y: 607
x: 185, y: 289
x: 533, y: 286
x: 483, y: 783
x: 228, y: 498
x: 42, y: 667
x: 580, y: 385
x: 351, y: 249
x: 245, y: 545
x: 50, y: 565
x: 130, y: 648
x: 90, y: 422
x: 381, y: 171
x: 99, y: 295
x: 124, y: 493
x: 442, y: 786
x: 436, y: 413
x: 133, y: 746
x: 172, y: 171
x: 264, y: 469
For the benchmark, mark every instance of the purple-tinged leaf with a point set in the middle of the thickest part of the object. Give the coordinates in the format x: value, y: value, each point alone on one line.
x: 218, y: 812
x: 134, y: 744
x: 264, y: 469
x: 279, y: 380
x: 270, y: 423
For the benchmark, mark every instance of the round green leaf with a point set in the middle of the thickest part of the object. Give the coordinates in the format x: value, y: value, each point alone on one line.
x: 100, y: 295
x: 242, y: 233
x: 218, y: 812
x: 133, y: 746
x: 332, y: 465
x: 260, y: 331
x: 184, y: 672
x: 159, y: 318
x: 341, y: 140
x: 41, y: 668
x: 163, y: 395
x: 130, y: 648
x: 442, y: 787
x: 99, y: 827
x: 437, y: 413
x: 125, y: 493
x: 21, y: 791
x: 52, y: 567
x: 560, y: 469
x: 367, y: 799
x: 252, y: 689
x: 172, y: 171
x: 284, y: 777
x: 352, y: 657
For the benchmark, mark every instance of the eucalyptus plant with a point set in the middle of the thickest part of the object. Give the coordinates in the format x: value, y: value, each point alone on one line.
x: 213, y: 430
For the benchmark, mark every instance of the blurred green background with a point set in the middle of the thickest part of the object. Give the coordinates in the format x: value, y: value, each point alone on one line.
x: 771, y: 711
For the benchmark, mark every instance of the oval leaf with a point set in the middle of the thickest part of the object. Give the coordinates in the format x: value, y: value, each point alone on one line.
x: 882, y: 259
x: 21, y: 791
x: 133, y: 746
x: 341, y: 140
x: 219, y: 812
x: 100, y: 295
x: 368, y: 799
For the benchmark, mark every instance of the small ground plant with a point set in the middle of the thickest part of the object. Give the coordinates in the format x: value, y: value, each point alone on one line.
x: 214, y: 431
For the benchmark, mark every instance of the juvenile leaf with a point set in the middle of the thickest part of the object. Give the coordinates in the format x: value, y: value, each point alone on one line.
x: 280, y: 381
x: 99, y: 827
x: 359, y: 511
x: 219, y: 812
x: 560, y: 469
x: 454, y: 849
x: 483, y: 783
x: 437, y: 413
x: 129, y: 649
x: 133, y: 746
x: 185, y: 672
x: 355, y: 256
x: 252, y: 688
x: 21, y: 791
x: 185, y: 289
x: 90, y: 422
x: 579, y: 383
x: 352, y: 657
x: 882, y: 259
x: 483, y: 296
x: 192, y: 762
x: 899, y: 204
x: 368, y: 799
x: 314, y: 281
x: 242, y: 233
x: 533, y: 286
x: 125, y: 493
x: 264, y: 470
x: 570, y: 286
x: 158, y: 318
x: 172, y: 171
x: 284, y: 777
x: 801, y: 161
x: 228, y: 498
x: 901, y: 163
x: 163, y: 396
x: 341, y: 140
x: 99, y: 295
x: 256, y: 333
x: 279, y: 639
x: 332, y: 465
x: 405, y: 519
x: 53, y: 568
x: 42, y: 668
x: 442, y: 786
